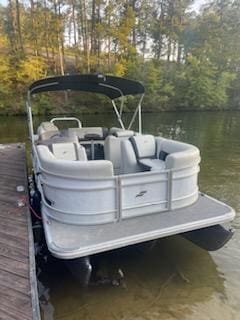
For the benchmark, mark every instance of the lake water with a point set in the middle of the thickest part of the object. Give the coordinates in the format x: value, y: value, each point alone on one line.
x: 174, y: 279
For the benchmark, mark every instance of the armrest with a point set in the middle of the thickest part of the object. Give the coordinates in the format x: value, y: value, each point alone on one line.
x: 179, y: 154
x: 183, y: 159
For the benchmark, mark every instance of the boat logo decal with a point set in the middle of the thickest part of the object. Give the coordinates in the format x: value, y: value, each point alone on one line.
x: 141, y: 193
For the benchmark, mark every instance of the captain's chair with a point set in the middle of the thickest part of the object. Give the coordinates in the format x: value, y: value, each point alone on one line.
x: 141, y: 153
x: 145, y: 149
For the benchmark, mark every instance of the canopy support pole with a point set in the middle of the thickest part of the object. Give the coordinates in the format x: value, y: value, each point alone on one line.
x: 121, y: 107
x: 118, y: 115
x: 139, y: 111
x: 30, y: 119
x: 140, y: 118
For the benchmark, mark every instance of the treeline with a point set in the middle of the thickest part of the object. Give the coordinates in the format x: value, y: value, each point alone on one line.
x: 186, y: 60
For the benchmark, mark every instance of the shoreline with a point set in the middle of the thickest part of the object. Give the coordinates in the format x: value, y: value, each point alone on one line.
x: 126, y: 112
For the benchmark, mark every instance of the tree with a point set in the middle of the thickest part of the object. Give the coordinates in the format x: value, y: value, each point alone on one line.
x: 185, y: 59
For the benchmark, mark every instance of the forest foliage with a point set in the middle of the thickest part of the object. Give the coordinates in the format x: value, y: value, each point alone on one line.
x: 187, y: 60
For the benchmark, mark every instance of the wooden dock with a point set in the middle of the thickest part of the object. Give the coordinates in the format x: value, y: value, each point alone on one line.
x: 18, y: 283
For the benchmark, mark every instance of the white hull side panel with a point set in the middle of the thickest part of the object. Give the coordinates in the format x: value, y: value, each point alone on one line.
x: 68, y: 241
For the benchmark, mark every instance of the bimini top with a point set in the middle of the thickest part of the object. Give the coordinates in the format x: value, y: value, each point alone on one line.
x: 113, y: 87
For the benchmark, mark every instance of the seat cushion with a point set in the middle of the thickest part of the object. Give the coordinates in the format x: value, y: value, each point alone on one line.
x: 153, y: 164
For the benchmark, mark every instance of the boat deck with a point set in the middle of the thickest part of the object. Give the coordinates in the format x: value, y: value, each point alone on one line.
x: 18, y: 295
x: 71, y: 241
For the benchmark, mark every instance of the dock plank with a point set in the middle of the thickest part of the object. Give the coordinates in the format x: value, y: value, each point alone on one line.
x: 16, y: 253
x: 12, y: 219
x: 13, y: 241
x: 10, y: 313
x: 14, y: 230
x: 10, y: 280
x: 18, y: 294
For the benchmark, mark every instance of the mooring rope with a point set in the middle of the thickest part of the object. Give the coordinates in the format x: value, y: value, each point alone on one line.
x: 24, y: 202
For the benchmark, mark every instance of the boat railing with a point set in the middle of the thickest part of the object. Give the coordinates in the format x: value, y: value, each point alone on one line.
x: 67, y: 119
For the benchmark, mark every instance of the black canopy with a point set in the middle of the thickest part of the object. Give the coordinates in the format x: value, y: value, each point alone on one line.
x: 113, y: 87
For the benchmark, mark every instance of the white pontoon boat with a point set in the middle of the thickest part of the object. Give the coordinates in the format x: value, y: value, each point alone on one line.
x: 103, y: 189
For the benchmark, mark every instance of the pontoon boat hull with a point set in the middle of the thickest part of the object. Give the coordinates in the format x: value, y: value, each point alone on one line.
x: 80, y: 241
x: 210, y: 238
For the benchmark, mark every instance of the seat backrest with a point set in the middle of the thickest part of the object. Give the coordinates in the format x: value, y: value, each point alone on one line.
x: 82, y: 132
x: 77, y: 169
x: 124, y: 133
x: 144, y: 146
x: 180, y: 155
x: 112, y: 152
x: 112, y: 148
x: 69, y: 151
x: 171, y: 146
x: 129, y: 163
x: 59, y: 139
x: 119, y: 132
x: 46, y: 130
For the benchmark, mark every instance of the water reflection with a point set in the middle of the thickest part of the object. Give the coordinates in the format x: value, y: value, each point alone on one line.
x: 163, y: 281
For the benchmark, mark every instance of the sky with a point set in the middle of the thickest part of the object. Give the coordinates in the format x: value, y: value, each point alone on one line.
x: 197, y: 4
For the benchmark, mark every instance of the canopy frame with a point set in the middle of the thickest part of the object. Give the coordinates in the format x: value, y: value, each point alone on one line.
x: 94, y: 83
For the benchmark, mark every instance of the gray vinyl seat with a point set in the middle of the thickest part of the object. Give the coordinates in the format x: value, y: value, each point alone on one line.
x: 152, y: 164
x: 77, y: 169
x: 145, y: 149
x: 149, y: 153
x: 47, y: 130
x: 69, y: 151
x: 139, y: 153
x: 112, y: 147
